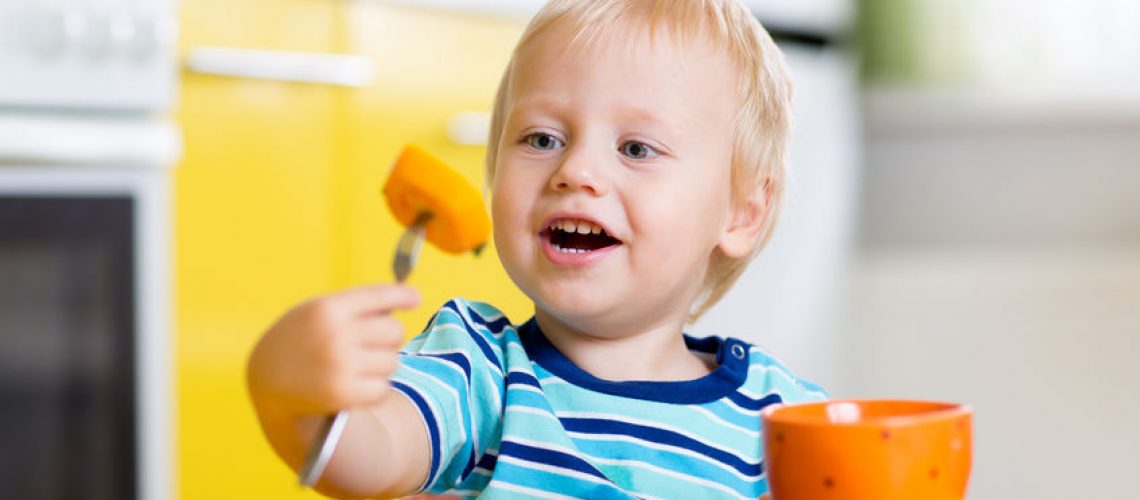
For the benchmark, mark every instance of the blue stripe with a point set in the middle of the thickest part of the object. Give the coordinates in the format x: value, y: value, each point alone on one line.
x: 461, y: 361
x: 522, y: 379
x: 754, y: 404
x: 470, y: 466
x: 475, y: 335
x: 662, y: 436
x: 549, y: 457
x: 456, y: 358
x: 488, y: 461
x: 525, y: 474
x: 433, y: 432
x: 495, y: 327
x: 430, y: 322
x: 676, y: 460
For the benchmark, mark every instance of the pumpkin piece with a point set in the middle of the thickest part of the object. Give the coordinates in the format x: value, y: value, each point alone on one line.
x: 420, y: 182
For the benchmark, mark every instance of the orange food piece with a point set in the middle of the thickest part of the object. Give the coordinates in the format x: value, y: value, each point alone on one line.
x: 420, y: 182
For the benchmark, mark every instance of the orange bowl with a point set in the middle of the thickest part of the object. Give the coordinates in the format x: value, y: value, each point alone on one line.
x: 868, y: 450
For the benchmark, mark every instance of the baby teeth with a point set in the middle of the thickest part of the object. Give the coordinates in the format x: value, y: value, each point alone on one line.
x: 580, y: 227
x: 570, y: 250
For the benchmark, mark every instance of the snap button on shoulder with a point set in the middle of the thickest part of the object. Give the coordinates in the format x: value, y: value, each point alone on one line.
x: 738, y: 351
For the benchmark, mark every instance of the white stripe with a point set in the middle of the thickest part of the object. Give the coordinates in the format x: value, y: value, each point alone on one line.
x: 497, y: 398
x: 732, y: 406
x: 655, y: 425
x: 675, y: 449
x: 500, y: 485
x: 758, y: 367
x: 749, y: 394
x: 450, y: 363
x: 486, y: 319
x: 460, y: 330
x: 739, y: 428
x: 551, y: 380
x: 515, y: 408
x: 528, y: 388
x: 816, y: 394
x: 542, y: 444
x: 453, y: 350
x: 670, y: 473
x: 467, y: 312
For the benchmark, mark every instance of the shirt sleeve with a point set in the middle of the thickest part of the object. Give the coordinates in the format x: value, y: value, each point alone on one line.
x: 780, y: 380
x: 453, y: 372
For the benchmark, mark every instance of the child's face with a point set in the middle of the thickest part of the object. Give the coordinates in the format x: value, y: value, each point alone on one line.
x: 629, y: 135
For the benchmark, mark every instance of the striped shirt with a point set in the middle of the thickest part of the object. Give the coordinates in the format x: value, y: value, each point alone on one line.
x: 509, y: 416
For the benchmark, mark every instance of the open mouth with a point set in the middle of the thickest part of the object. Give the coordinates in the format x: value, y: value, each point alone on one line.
x: 577, y: 236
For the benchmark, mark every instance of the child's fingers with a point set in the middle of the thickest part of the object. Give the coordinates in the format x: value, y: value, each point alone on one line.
x: 378, y: 299
x: 365, y: 390
x: 383, y: 332
x: 373, y: 363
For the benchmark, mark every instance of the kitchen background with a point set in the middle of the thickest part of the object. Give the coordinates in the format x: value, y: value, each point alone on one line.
x: 964, y: 221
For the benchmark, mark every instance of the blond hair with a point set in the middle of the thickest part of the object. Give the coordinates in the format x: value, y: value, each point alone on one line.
x: 764, y: 92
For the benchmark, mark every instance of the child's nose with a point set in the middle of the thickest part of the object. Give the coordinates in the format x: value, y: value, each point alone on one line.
x: 579, y: 172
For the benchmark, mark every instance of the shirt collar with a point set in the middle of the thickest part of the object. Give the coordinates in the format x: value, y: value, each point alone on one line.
x: 731, y: 357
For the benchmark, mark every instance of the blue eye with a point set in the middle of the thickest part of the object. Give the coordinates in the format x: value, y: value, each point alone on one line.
x: 637, y: 150
x: 543, y: 142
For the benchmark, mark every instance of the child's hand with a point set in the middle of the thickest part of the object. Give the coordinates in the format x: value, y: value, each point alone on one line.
x: 332, y: 352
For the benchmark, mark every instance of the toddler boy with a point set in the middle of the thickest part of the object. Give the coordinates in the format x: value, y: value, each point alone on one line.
x: 636, y: 165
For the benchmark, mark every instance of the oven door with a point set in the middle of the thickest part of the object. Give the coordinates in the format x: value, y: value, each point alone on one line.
x: 85, y: 364
x: 66, y: 347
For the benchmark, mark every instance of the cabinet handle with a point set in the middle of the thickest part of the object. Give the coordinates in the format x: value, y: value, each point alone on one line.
x: 345, y: 70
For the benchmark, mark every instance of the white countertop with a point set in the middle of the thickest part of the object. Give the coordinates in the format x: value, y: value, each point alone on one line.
x: 89, y: 140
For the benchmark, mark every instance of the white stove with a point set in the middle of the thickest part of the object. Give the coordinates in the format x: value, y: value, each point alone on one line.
x: 87, y: 54
x: 86, y: 378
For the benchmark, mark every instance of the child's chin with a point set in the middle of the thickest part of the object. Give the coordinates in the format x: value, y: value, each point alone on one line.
x: 581, y: 303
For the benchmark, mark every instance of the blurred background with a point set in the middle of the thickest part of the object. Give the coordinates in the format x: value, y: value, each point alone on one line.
x: 963, y: 222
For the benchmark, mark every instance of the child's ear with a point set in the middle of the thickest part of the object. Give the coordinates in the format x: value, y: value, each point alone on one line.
x: 749, y: 219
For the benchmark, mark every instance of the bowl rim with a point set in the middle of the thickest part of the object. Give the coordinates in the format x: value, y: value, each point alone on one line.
x: 948, y: 410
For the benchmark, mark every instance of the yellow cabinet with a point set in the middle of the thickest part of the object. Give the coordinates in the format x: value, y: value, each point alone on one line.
x: 277, y: 199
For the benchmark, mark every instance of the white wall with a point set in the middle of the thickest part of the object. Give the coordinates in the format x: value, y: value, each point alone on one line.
x: 787, y: 301
x: 1000, y: 266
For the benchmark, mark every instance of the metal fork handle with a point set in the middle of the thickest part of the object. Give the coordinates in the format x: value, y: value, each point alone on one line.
x: 408, y: 249
x: 328, y: 435
x: 321, y: 451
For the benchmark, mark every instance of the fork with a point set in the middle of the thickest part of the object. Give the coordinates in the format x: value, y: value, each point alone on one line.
x: 321, y: 450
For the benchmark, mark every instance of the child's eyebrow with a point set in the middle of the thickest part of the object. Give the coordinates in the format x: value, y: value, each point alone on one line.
x: 642, y: 116
x: 539, y: 103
